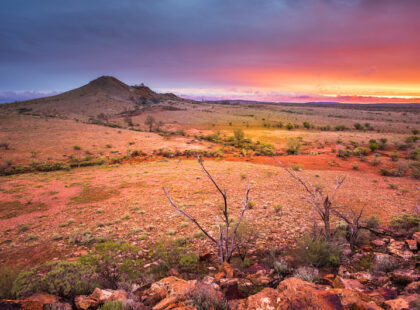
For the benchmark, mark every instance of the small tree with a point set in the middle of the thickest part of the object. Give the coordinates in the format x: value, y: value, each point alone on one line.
x: 150, y: 121
x: 321, y: 202
x: 227, y: 241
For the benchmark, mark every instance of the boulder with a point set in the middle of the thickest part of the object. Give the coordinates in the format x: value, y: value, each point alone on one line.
x: 379, y: 243
x: 398, y: 248
x: 85, y: 302
x: 227, y: 269
x: 413, y: 288
x: 412, y: 244
x: 38, y: 301
x: 404, y: 276
x: 350, y: 284
x: 172, y: 287
x: 354, y: 300
x: 236, y: 288
x: 101, y: 296
x: 397, y: 304
x: 416, y: 236
x: 266, y: 299
x: 297, y: 294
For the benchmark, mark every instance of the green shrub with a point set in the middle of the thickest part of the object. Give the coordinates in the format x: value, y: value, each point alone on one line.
x: 307, y: 125
x: 114, y: 262
x: 395, y: 156
x: 358, y: 126
x: 289, y: 126
x: 7, y: 277
x: 415, y: 154
x: 318, y: 252
x: 293, y: 146
x: 412, y: 139
x: 65, y: 279
x: 77, y: 147
x: 360, y: 151
x: 415, y: 169
x: 344, y: 153
x: 340, y: 128
x: 189, y: 262
x: 280, y: 266
x: 373, y: 145
x: 112, y: 305
x: 382, y: 143
x: 415, y: 131
x: 405, y: 222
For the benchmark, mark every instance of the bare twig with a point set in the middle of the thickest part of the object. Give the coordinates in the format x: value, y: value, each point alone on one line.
x: 227, y: 240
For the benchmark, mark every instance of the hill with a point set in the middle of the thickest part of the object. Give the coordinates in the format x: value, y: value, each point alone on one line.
x: 105, y: 95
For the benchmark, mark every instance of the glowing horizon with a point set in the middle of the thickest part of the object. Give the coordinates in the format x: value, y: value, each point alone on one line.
x: 270, y: 50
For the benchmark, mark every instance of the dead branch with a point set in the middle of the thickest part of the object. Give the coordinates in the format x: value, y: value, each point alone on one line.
x: 321, y: 203
x: 227, y: 240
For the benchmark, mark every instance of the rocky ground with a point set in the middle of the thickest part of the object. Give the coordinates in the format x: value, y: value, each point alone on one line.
x: 382, y: 275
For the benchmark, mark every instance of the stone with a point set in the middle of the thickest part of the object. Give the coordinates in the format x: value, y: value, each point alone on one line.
x: 170, y: 289
x: 416, y: 236
x: 404, y: 276
x: 297, y: 294
x: 172, y: 272
x: 266, y: 299
x: 350, y: 284
x: 102, y: 296
x: 397, y: 304
x: 354, y: 300
x: 119, y: 295
x: 398, y: 248
x: 205, y: 255
x: 227, y: 269
x: 412, y: 244
x: 378, y: 243
x: 413, y: 288
x: 85, y: 302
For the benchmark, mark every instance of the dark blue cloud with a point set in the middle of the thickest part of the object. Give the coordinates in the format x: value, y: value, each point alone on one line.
x: 58, y: 45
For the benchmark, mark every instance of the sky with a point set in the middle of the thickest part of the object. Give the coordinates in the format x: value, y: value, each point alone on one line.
x: 269, y: 50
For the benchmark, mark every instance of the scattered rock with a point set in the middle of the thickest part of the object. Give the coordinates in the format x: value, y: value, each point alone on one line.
x: 416, y: 236
x: 268, y: 298
x: 404, y: 277
x: 413, y: 288
x: 349, y: 284
x: 85, y: 302
x: 398, y: 248
x: 379, y: 243
x: 227, y: 269
x: 297, y: 294
x: 412, y: 244
x: 397, y: 304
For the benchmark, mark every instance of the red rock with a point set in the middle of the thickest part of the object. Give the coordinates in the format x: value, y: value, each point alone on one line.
x: 413, y: 288
x: 416, y: 236
x: 412, y: 244
x: 397, y: 304
x: 297, y: 294
x: 378, y: 242
x: 205, y: 255
x: 168, y: 287
x: 227, y: 268
x: 266, y: 299
x: 404, y: 277
x: 119, y: 295
x: 101, y: 296
x: 349, y: 284
x: 219, y: 275
x: 172, y: 272
x: 85, y: 302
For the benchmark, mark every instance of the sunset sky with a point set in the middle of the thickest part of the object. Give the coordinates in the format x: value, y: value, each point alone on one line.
x: 270, y: 50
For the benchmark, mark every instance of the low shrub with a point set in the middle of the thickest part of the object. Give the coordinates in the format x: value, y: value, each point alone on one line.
x: 415, y: 169
x: 318, y: 252
x: 306, y: 274
x: 405, y: 222
x: 65, y: 279
x: 293, y: 146
x: 204, y: 297
x: 114, y: 262
x: 7, y: 278
x: 373, y: 145
x: 395, y: 156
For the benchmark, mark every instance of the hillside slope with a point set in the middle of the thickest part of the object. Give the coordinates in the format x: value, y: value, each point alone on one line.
x: 104, y: 95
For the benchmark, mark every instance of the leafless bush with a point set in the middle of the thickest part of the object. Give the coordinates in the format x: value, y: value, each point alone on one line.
x: 228, y: 240
x: 321, y: 202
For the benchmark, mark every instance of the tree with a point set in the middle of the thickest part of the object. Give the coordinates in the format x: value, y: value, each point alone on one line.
x: 321, y: 203
x: 227, y: 241
x: 150, y: 121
